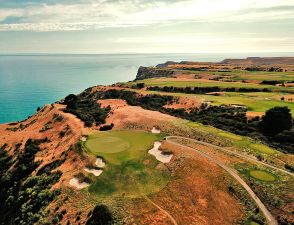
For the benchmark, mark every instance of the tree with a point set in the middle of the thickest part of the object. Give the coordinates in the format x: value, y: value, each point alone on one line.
x: 100, y: 215
x: 275, y: 121
x: 70, y: 101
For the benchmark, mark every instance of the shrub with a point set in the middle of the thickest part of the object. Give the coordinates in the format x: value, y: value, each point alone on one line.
x: 100, y: 215
x: 23, y: 196
x: 275, y: 121
x: 86, y: 109
x: 106, y: 127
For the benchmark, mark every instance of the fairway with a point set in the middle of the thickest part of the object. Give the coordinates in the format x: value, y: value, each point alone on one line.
x: 130, y: 171
x: 263, y: 149
x: 161, y: 82
x: 255, y: 101
x: 262, y: 175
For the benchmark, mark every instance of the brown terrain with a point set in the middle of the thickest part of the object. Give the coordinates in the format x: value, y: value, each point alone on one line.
x: 204, y: 199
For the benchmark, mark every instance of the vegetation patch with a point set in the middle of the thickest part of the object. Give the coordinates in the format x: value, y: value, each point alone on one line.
x: 262, y: 175
x: 24, y: 196
x: 263, y: 149
x: 100, y: 215
x: 86, y: 109
x: 230, y: 136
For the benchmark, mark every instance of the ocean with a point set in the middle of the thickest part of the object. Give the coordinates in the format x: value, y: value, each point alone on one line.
x: 30, y: 81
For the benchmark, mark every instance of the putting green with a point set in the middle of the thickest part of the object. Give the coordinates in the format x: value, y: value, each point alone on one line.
x: 107, y: 144
x: 253, y: 223
x: 119, y: 146
x: 262, y: 175
x: 130, y: 171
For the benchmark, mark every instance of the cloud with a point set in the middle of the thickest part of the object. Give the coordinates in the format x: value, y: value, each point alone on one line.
x: 54, y: 15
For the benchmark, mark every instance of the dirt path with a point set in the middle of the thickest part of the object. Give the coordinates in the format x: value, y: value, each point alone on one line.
x: 269, y: 217
x: 162, y: 210
x: 240, y: 155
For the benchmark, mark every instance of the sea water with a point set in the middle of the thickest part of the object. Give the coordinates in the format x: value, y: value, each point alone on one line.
x: 30, y: 81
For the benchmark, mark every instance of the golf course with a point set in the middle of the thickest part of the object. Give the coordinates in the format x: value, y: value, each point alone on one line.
x: 130, y: 171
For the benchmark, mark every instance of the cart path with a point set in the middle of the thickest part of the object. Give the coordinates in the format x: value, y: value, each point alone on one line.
x: 269, y: 217
x: 162, y: 210
x: 240, y: 155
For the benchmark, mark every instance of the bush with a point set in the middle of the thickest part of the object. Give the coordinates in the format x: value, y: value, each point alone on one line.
x: 86, y: 109
x: 23, y: 196
x: 275, y: 121
x: 100, y: 215
x: 106, y: 127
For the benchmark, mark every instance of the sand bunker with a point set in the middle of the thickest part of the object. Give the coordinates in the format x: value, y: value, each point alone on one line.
x: 77, y: 184
x: 164, y: 158
x: 99, y: 162
x: 95, y: 172
x: 83, y: 139
x: 155, y: 130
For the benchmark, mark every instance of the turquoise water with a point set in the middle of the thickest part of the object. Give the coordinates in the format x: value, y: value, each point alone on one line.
x: 30, y: 81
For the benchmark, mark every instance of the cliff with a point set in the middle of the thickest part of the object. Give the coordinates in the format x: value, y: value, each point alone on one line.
x: 152, y: 72
x: 258, y: 61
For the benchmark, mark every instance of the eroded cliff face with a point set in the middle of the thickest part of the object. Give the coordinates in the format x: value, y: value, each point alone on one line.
x: 152, y: 72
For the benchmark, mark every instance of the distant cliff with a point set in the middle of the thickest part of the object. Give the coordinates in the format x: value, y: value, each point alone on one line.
x: 153, y: 72
x: 258, y: 61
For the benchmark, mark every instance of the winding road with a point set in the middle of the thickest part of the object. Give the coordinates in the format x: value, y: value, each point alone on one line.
x: 269, y: 217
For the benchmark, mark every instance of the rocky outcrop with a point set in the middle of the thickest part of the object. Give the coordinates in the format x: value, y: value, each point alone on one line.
x: 166, y: 64
x: 152, y: 72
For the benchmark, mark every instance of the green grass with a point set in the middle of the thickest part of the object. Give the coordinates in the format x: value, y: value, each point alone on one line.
x: 263, y: 149
x: 119, y: 146
x: 130, y: 171
x: 161, y: 82
x: 249, y: 75
x: 262, y: 175
x: 230, y: 136
x: 107, y: 144
x: 210, y: 129
x: 255, y: 101
x: 236, y: 140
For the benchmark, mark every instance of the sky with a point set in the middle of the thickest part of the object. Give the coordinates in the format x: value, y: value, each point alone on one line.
x: 146, y: 26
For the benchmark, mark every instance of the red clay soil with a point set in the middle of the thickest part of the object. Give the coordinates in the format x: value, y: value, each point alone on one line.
x: 58, y: 145
x: 185, y: 103
x: 122, y: 114
x: 251, y: 114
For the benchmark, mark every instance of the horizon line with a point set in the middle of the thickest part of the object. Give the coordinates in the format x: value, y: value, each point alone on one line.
x: 139, y: 53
